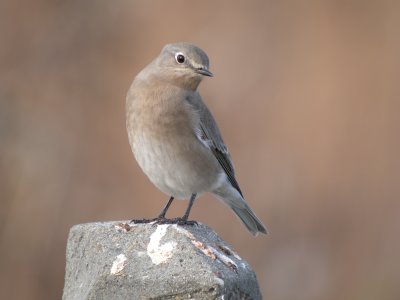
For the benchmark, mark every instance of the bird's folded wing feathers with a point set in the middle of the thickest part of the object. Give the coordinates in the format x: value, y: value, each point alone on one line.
x: 210, y: 135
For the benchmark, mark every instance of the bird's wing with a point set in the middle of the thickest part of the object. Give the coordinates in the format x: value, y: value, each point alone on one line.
x: 209, y: 134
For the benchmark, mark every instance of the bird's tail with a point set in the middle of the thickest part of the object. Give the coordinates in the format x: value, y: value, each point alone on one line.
x: 235, y: 201
x: 250, y: 220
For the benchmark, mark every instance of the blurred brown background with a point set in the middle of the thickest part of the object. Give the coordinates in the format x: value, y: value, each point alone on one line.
x: 306, y: 94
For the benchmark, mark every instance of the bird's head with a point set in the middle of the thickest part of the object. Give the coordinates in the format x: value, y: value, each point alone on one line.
x: 183, y: 64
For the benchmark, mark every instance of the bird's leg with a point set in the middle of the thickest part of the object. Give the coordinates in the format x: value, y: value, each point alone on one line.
x: 160, y: 219
x: 184, y: 219
x: 191, y: 201
x: 164, y: 211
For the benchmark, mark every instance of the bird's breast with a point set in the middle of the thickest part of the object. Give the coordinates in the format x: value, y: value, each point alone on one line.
x: 166, y: 148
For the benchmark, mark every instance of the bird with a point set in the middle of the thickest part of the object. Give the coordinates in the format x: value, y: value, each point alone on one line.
x: 176, y: 140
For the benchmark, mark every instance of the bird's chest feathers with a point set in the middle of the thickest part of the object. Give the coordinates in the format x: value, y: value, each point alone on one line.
x: 161, y: 128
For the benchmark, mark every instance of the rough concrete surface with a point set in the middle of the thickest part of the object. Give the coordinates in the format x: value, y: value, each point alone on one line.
x: 115, y: 260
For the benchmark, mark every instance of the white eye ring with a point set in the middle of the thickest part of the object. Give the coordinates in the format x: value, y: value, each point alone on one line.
x: 180, y: 58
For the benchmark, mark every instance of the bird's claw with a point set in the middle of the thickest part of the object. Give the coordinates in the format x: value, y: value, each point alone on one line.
x: 178, y: 221
x: 161, y: 221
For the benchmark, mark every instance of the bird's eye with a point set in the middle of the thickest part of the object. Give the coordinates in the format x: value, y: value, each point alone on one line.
x: 180, y: 58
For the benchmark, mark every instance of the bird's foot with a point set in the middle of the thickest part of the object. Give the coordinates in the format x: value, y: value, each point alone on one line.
x: 188, y: 222
x: 178, y: 221
x: 161, y: 221
x: 142, y: 221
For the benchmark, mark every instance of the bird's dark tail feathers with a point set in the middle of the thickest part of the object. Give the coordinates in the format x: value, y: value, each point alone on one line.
x: 235, y: 201
x: 250, y: 220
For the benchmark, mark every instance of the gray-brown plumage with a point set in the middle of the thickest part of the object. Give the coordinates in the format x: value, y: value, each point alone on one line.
x: 174, y: 137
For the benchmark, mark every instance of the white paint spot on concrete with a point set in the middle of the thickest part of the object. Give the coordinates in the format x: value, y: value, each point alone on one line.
x: 118, y: 265
x: 233, y: 253
x: 123, y: 227
x: 236, y: 255
x: 219, y: 281
x: 223, y: 258
x: 184, y: 231
x: 206, y: 250
x: 141, y: 253
x: 157, y: 252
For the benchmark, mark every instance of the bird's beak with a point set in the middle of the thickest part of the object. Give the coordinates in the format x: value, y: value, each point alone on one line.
x: 204, y: 71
